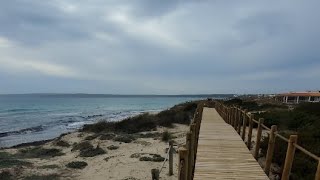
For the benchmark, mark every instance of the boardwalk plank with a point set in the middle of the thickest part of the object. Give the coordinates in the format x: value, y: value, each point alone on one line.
x: 221, y: 152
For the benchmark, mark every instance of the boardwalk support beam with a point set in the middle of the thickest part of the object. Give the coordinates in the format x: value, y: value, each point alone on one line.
x: 155, y: 174
x: 289, y: 157
x: 318, y: 171
x: 239, y: 121
x: 272, y: 139
x: 244, y: 125
x: 171, y: 158
x: 250, y: 131
x: 183, y: 163
x: 258, y: 140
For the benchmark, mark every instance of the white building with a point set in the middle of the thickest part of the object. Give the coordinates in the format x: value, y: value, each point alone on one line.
x: 298, y: 97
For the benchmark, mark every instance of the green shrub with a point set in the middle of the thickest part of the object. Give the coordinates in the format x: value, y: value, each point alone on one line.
x: 154, y: 158
x: 166, y: 136
x: 181, y: 113
x: 39, y: 152
x: 8, y: 163
x: 8, y: 160
x: 145, y: 158
x: 234, y: 101
x: 112, y: 147
x: 140, y: 123
x: 51, y: 166
x: 92, y: 137
x: 91, y: 152
x: 6, y: 175
x: 311, y: 108
x: 99, y: 127
x: 42, y: 177
x: 81, y: 146
x: 107, y: 136
x: 190, y: 107
x: 62, y: 143
x: 124, y: 138
x: 77, y: 164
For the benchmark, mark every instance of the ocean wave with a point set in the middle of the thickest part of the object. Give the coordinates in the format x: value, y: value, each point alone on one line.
x: 77, y: 125
x: 22, y: 131
x: 19, y: 110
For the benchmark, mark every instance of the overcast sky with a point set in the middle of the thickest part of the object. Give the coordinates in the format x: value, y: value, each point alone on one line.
x: 159, y: 47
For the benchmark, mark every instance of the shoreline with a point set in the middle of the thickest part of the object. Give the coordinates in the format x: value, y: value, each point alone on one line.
x: 127, y: 149
x: 124, y: 162
x: 41, y: 142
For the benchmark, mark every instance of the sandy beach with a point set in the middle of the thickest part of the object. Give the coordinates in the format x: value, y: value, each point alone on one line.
x: 121, y: 163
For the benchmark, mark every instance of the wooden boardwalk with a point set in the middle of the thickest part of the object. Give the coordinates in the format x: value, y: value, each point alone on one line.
x: 221, y: 152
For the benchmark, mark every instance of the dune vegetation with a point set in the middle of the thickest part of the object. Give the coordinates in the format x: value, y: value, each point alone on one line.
x: 303, y: 120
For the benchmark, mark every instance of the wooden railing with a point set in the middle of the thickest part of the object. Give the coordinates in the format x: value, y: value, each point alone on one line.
x: 187, y: 153
x: 240, y: 118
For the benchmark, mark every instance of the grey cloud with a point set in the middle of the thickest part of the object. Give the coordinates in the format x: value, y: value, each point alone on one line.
x: 163, y: 47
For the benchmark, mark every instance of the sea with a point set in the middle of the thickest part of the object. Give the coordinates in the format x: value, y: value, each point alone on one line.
x: 26, y: 118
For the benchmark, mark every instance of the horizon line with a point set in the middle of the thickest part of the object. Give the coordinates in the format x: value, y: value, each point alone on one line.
x: 110, y: 94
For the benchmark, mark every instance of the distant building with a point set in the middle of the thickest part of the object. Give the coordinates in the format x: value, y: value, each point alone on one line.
x: 298, y: 97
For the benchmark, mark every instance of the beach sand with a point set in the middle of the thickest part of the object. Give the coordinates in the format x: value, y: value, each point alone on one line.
x: 119, y: 165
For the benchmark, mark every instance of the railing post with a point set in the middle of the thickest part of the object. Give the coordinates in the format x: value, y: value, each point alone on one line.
x: 183, y: 163
x: 318, y: 171
x: 239, y: 121
x: 232, y: 117
x: 155, y: 174
x: 171, y: 150
x: 192, y: 150
x: 250, y: 131
x: 244, y: 125
x: 289, y: 157
x: 236, y: 119
x: 259, y: 131
x: 188, y: 144
x: 228, y: 115
x: 272, y: 139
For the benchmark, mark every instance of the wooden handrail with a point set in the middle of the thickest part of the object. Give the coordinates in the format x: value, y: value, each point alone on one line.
x: 237, y: 113
x: 187, y: 154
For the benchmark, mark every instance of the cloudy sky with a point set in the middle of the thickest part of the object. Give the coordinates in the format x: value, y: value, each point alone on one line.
x: 159, y: 47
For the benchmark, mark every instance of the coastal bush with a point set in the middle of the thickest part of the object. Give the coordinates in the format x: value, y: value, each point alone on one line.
x: 8, y: 163
x: 113, y: 147
x: 81, y: 146
x: 39, y: 152
x: 110, y: 157
x: 166, y: 136
x: 234, y: 101
x: 91, y: 152
x: 304, y: 121
x: 154, y: 158
x: 311, y: 108
x: 140, y: 123
x: 145, y: 158
x: 51, y: 166
x: 99, y: 127
x: 149, y: 135
x: 280, y: 118
x: 92, y: 137
x: 6, y: 175
x: 130, y: 178
x: 42, y: 177
x: 124, y: 138
x: 107, y: 136
x: 77, y: 164
x: 181, y: 113
x: 9, y: 160
x: 252, y: 105
x: 62, y: 143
